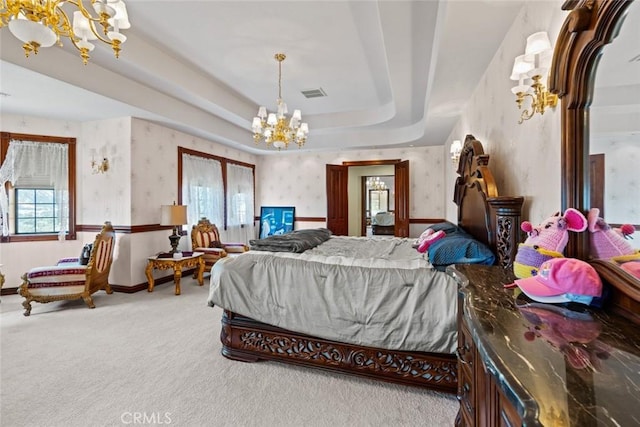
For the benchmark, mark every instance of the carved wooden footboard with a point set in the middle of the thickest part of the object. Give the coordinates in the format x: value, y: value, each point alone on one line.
x: 248, y: 340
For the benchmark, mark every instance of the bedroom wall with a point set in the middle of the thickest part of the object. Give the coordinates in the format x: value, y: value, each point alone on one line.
x: 142, y: 176
x: 299, y: 179
x: 525, y: 158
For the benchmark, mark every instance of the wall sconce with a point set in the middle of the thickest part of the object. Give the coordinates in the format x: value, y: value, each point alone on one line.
x: 99, y: 167
x: 456, y: 149
x: 529, y: 69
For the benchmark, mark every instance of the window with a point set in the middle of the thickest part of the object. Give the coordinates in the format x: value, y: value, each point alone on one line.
x: 219, y: 189
x: 36, y: 211
x: 240, y: 206
x: 37, y: 183
x: 202, y: 189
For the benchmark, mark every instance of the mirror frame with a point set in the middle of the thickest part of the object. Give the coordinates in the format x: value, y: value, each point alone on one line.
x: 590, y: 25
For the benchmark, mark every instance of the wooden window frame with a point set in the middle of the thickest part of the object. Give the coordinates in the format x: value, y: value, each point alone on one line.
x: 5, y: 137
x: 223, y: 162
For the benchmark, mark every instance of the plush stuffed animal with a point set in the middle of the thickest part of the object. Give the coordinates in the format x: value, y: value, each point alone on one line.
x: 611, y: 243
x: 546, y: 241
x: 606, y: 241
x: 427, y: 238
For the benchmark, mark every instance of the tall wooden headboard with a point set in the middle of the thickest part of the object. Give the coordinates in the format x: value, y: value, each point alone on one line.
x: 482, y: 212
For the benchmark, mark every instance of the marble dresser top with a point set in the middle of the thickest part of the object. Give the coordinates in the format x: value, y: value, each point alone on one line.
x: 559, y: 364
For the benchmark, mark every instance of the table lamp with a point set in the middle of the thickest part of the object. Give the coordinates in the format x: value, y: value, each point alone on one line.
x: 174, y: 215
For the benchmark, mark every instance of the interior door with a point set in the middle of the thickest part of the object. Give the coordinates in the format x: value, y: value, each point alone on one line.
x: 337, y: 199
x: 402, y: 199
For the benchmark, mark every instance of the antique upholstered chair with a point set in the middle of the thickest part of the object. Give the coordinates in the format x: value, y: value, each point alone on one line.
x: 205, y: 238
x: 69, y: 279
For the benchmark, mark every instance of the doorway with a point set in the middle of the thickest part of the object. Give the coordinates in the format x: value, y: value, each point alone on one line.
x: 340, y: 199
x: 377, y: 206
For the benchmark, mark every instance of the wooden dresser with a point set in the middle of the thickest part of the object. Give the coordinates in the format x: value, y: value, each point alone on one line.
x: 526, y: 363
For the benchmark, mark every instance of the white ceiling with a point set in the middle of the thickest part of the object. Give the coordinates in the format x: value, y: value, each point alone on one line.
x: 396, y: 73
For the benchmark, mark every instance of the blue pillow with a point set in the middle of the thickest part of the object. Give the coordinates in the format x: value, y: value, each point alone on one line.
x: 460, y: 248
x: 446, y: 226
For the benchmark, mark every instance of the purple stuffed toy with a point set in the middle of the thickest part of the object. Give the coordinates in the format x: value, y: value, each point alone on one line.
x: 546, y: 241
x: 611, y: 243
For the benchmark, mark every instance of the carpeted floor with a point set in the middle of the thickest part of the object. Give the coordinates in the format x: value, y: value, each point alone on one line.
x: 154, y: 358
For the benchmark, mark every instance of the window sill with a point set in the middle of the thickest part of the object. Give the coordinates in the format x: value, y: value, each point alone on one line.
x: 13, y: 238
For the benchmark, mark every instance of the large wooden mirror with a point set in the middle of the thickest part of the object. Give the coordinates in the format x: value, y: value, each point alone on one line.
x: 595, y: 38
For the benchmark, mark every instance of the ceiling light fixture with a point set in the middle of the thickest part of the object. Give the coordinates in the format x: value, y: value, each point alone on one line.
x: 375, y: 183
x: 529, y: 69
x: 276, y: 128
x: 41, y: 23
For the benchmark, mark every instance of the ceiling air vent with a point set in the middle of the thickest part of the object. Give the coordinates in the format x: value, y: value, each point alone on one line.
x: 314, y: 93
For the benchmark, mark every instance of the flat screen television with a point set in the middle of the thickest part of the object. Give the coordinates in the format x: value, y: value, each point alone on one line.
x: 276, y: 220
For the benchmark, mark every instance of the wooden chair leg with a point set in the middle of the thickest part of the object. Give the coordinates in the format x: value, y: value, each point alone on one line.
x: 108, y: 289
x: 89, y: 301
x: 27, y: 307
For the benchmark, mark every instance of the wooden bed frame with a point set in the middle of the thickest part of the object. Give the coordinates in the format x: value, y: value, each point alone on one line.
x: 490, y: 218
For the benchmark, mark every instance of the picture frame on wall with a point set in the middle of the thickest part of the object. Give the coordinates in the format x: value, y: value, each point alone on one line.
x: 276, y: 220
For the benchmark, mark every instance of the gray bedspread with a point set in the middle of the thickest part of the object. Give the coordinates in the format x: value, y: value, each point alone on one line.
x: 371, y: 292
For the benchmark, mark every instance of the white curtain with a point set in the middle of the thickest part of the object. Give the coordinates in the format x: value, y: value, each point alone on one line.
x: 240, y: 210
x: 202, y: 189
x: 37, y: 162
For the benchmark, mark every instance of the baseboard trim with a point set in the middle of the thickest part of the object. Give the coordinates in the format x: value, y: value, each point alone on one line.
x: 9, y: 291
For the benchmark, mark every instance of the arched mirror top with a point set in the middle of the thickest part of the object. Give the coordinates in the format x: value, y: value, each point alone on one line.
x: 588, y: 28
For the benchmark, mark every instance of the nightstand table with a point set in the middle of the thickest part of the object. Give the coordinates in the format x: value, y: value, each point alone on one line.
x: 177, y: 264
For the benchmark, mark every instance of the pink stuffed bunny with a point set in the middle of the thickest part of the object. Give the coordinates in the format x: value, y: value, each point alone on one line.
x: 546, y: 241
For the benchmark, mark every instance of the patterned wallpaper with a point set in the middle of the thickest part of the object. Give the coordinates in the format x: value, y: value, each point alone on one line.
x: 622, y: 157
x: 154, y: 156
x: 98, y: 191
x: 525, y: 158
x: 299, y: 179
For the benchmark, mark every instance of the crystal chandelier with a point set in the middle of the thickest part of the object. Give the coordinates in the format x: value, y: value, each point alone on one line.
x: 276, y: 128
x: 375, y: 183
x: 41, y: 23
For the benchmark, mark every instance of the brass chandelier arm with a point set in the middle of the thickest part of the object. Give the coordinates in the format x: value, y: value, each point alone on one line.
x: 526, y: 113
x: 540, y: 99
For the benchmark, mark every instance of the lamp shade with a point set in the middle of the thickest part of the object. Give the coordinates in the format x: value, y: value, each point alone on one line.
x: 174, y: 215
x: 521, y: 66
x: 29, y: 31
x: 537, y: 42
x: 456, y: 147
